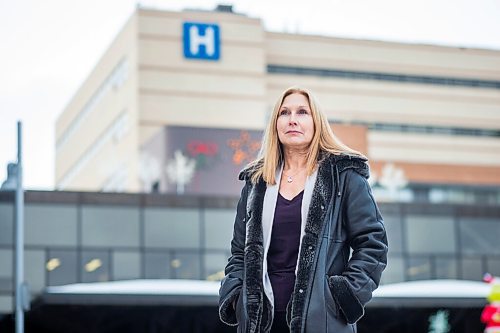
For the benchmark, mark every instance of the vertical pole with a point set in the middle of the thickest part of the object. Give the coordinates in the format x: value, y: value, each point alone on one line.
x: 19, y: 235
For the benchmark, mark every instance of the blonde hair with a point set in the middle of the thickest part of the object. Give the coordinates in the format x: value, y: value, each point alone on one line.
x: 271, y: 151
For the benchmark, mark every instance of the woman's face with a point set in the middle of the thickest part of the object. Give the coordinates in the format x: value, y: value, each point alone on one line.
x: 295, y: 123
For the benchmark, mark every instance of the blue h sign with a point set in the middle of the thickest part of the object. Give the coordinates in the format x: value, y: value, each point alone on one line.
x: 201, y: 41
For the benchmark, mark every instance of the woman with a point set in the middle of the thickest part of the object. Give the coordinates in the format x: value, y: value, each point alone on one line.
x: 306, y: 202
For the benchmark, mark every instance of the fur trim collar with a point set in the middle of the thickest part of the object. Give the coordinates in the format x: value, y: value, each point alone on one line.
x: 342, y: 161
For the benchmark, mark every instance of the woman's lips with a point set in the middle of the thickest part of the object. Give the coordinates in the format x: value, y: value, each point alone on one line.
x: 293, y: 132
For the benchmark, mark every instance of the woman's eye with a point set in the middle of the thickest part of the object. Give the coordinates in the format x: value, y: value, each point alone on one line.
x: 283, y: 112
x: 303, y: 111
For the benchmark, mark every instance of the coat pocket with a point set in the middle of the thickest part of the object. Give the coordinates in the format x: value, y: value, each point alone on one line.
x: 331, y: 307
x: 335, y: 321
x: 239, y: 307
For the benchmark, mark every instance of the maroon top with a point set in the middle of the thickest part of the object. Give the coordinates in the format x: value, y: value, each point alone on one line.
x: 284, y: 249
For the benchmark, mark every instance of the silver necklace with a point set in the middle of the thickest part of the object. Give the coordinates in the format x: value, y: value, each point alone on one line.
x: 289, y: 179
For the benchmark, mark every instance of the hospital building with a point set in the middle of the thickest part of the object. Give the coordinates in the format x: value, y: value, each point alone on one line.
x: 149, y: 147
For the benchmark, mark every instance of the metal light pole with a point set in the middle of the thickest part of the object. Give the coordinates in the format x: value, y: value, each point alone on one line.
x: 21, y: 287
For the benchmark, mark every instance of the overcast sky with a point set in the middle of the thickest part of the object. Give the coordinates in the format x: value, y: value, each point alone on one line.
x: 49, y: 47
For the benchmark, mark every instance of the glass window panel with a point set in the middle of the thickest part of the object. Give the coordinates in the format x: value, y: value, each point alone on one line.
x: 6, y: 263
x: 95, y: 266
x: 395, y: 270
x: 430, y: 234
x: 480, y: 235
x: 34, y: 269
x: 6, y: 304
x: 6, y: 224
x: 126, y: 265
x: 101, y: 225
x: 214, y: 265
x: 419, y: 268
x: 50, y: 225
x: 6, y: 285
x: 494, y: 266
x: 6, y: 270
x: 219, y: 228
x: 472, y: 269
x: 185, y: 266
x: 172, y: 228
x: 62, y: 267
x: 445, y: 268
x: 394, y: 233
x: 157, y: 265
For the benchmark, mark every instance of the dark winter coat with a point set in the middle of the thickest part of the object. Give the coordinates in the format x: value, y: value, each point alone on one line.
x: 331, y: 287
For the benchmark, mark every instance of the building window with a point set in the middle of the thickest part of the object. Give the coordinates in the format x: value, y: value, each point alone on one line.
x: 61, y: 267
x: 413, y: 128
x: 50, y: 225
x: 95, y: 266
x: 214, y: 265
x: 430, y: 234
x: 394, y: 231
x: 185, y: 265
x: 173, y: 228
x: 419, y: 268
x: 6, y: 274
x: 479, y: 235
x: 100, y: 225
x: 493, y: 265
x: 395, y: 271
x: 218, y: 226
x: 359, y: 75
x: 6, y: 224
x: 157, y: 265
x: 126, y: 265
x: 472, y: 268
x: 34, y: 268
x: 445, y: 268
